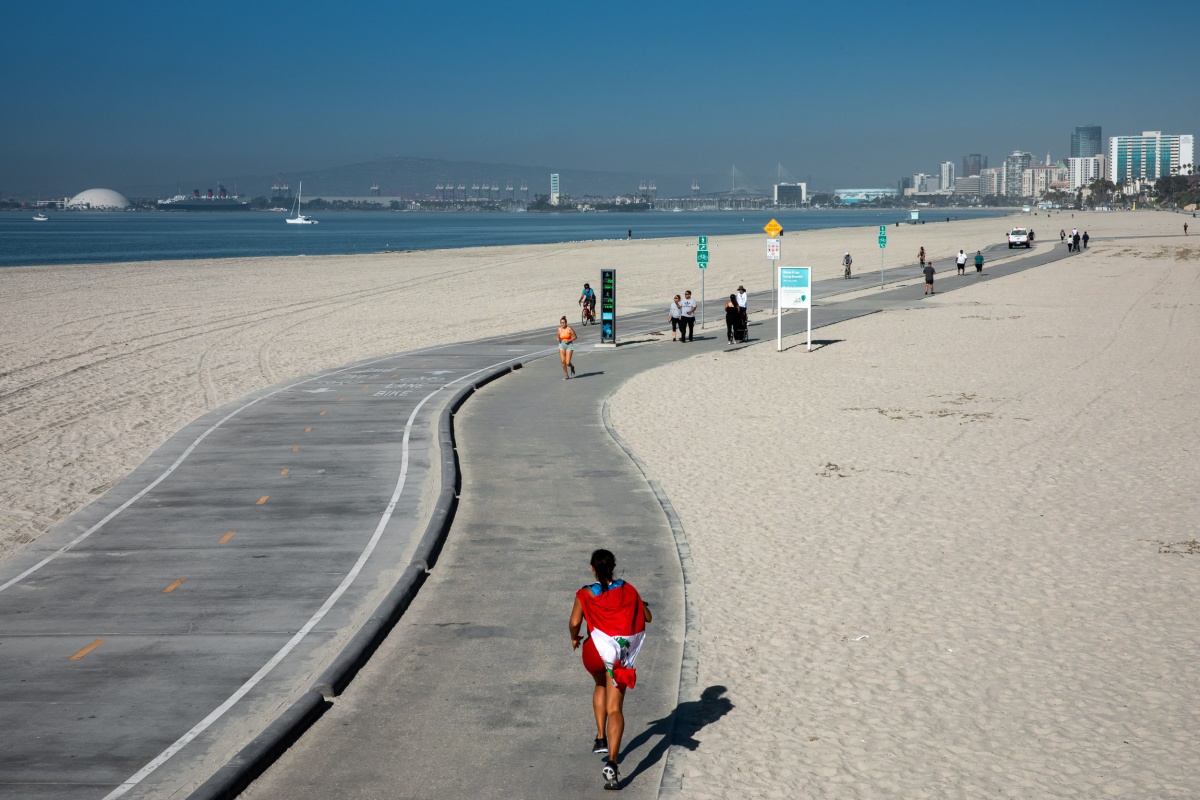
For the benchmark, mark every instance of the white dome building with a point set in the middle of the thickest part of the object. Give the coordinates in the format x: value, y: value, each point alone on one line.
x: 99, y: 200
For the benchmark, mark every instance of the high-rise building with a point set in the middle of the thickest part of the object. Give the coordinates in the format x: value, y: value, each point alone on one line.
x: 1150, y: 156
x: 991, y: 182
x: 905, y: 183
x: 1087, y: 142
x: 1083, y: 171
x: 554, y: 193
x: 925, y: 184
x: 968, y: 187
x: 972, y: 164
x: 1014, y: 165
x: 947, y: 176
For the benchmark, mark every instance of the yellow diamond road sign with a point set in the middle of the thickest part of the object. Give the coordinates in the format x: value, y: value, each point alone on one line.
x: 773, y: 228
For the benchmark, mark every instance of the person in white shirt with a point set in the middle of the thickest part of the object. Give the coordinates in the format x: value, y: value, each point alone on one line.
x: 961, y: 258
x: 673, y: 314
x: 687, y: 319
x: 743, y: 301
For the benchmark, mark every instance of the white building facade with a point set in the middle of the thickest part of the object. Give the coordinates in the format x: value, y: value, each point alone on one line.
x: 947, y: 181
x: 1150, y: 156
x: 1082, y: 172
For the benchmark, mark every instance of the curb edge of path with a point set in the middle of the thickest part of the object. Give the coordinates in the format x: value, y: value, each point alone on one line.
x: 671, y: 783
x: 253, y: 760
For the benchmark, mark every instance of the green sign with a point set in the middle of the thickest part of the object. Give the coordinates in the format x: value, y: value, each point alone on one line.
x: 883, y: 231
x: 701, y: 257
x: 703, y: 245
x: 883, y: 241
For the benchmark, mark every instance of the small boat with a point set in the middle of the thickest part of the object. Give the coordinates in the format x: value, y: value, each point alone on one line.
x: 40, y: 218
x: 298, y: 218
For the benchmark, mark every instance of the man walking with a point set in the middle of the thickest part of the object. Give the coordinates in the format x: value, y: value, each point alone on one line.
x: 1075, y: 239
x: 961, y: 260
x: 929, y: 272
x: 978, y: 261
x: 687, y: 319
x: 1085, y: 240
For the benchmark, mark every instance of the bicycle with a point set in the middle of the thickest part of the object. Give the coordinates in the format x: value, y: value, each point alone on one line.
x: 846, y: 262
x: 588, y: 316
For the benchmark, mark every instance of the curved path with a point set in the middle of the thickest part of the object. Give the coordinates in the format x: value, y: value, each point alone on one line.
x: 150, y: 636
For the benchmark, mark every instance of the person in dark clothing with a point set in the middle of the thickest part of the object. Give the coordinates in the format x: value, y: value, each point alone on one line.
x: 733, y: 317
x: 929, y: 272
x: 1085, y: 239
x: 1075, y: 239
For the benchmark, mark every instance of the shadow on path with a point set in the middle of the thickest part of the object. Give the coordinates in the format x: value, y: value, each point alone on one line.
x: 680, y: 727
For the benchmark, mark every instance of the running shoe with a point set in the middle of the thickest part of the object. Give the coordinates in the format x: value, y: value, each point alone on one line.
x: 572, y: 366
x: 612, y: 775
x: 600, y: 746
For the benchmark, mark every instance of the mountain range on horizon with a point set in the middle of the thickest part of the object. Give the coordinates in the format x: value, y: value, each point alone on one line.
x: 412, y: 177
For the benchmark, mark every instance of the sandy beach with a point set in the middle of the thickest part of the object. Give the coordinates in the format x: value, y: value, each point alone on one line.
x: 100, y: 364
x: 952, y: 553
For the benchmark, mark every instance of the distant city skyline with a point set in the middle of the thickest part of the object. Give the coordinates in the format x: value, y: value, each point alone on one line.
x: 147, y: 94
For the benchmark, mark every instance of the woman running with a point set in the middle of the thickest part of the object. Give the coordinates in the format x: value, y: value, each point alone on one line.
x: 566, y: 344
x: 616, y: 617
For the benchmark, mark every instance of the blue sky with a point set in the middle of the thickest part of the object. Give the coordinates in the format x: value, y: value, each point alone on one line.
x: 115, y: 94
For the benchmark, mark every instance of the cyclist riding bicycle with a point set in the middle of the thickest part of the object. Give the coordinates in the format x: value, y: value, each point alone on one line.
x: 587, y: 299
x: 846, y: 262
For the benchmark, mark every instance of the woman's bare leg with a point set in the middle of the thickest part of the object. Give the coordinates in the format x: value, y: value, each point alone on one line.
x: 563, y: 356
x: 599, y: 704
x: 616, y: 719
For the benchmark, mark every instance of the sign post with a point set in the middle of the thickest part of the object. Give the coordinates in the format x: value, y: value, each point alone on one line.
x: 795, y: 291
x: 608, y: 307
x: 702, y: 265
x: 882, y: 245
x: 773, y: 230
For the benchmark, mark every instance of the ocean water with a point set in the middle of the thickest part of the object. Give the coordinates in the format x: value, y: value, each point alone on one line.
x: 98, y: 237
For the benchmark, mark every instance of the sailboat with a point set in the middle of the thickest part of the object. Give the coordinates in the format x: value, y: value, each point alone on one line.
x: 40, y: 217
x: 297, y: 218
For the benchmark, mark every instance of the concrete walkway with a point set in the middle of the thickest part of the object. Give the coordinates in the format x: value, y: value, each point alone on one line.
x: 153, y: 634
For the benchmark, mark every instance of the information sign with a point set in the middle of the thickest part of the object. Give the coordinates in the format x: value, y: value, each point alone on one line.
x: 773, y: 228
x: 608, y: 306
x: 701, y: 258
x: 703, y: 243
x: 795, y: 290
x: 773, y: 249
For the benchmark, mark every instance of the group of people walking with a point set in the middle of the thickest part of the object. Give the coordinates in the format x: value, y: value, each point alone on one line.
x: 682, y: 315
x: 1073, y: 239
x: 960, y: 261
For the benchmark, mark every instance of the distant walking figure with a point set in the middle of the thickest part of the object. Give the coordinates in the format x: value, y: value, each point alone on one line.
x: 961, y: 260
x: 673, y: 314
x: 1085, y: 239
x: 631, y: 233
x: 1075, y: 239
x: 921, y: 256
x: 1062, y: 235
x: 616, y: 618
x: 978, y: 261
x: 566, y: 344
x: 687, y: 319
x: 733, y: 317
x: 929, y: 273
x: 1185, y: 233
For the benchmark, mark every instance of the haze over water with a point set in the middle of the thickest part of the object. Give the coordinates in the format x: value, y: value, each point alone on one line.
x: 96, y: 237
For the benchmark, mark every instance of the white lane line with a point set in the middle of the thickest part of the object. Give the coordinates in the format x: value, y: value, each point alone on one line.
x: 316, y: 618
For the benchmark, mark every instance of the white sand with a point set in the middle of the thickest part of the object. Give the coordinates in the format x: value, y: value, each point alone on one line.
x: 953, y: 554
x: 101, y: 364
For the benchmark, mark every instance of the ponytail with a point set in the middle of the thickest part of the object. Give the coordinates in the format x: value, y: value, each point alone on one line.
x: 604, y: 562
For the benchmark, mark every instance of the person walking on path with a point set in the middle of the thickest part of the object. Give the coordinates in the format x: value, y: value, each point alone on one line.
x: 929, y: 273
x: 846, y: 262
x: 1185, y: 229
x: 1075, y: 239
x: 921, y: 257
x: 616, y: 618
x: 978, y: 262
x: 1085, y: 240
x: 961, y: 260
x: 687, y: 319
x: 743, y: 301
x: 566, y: 345
x: 733, y: 317
x: 1062, y: 235
x: 673, y: 314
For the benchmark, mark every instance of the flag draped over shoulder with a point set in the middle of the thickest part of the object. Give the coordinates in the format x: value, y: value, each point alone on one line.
x: 616, y: 620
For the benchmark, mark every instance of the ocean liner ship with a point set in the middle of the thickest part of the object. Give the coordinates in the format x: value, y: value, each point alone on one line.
x: 220, y: 201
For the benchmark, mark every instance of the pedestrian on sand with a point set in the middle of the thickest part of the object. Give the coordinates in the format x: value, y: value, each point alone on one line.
x: 961, y: 260
x: 1031, y: 234
x: 733, y: 317
x: 978, y: 261
x: 566, y: 345
x: 616, y: 618
x: 1062, y: 235
x: 921, y: 257
x: 673, y: 314
x: 687, y: 319
x: 1085, y: 240
x: 929, y: 273
x: 631, y: 233
x: 1185, y: 229
x: 1075, y: 239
